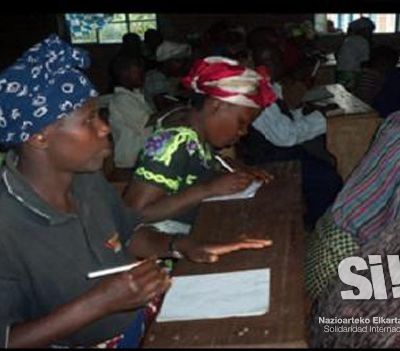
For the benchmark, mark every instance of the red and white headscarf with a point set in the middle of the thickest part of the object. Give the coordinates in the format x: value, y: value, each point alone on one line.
x: 225, y: 79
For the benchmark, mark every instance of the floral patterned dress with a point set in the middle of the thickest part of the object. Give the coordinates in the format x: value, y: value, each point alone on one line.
x: 174, y: 159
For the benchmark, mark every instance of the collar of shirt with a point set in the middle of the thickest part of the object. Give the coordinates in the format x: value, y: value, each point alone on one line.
x: 17, y: 187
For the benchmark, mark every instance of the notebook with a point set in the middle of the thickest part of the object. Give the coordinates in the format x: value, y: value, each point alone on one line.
x: 217, y: 295
x: 247, y: 193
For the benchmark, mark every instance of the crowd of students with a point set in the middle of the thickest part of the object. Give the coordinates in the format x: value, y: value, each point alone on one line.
x: 170, y: 109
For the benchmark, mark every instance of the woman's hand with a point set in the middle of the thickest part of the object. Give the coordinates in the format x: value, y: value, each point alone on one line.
x: 131, y: 289
x: 210, y: 252
x: 228, y: 183
x: 254, y: 172
x: 259, y: 174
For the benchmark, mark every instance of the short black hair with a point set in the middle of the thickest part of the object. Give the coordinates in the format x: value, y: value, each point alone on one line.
x: 131, y: 38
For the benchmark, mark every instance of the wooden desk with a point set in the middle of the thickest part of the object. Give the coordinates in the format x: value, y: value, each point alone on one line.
x: 349, y: 134
x: 275, y: 212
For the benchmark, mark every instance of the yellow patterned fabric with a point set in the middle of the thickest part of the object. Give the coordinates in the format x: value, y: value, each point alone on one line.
x: 158, y: 178
x: 183, y: 135
x: 174, y: 158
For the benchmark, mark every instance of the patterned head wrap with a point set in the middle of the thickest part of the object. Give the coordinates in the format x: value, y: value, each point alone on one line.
x: 226, y: 80
x: 43, y: 85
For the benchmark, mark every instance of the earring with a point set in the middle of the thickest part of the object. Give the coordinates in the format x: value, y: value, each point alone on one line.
x: 40, y: 137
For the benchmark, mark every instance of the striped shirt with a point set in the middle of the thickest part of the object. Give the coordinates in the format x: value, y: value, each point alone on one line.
x: 370, y: 199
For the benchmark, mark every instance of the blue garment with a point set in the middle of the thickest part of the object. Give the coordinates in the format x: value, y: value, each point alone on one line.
x: 133, y: 335
x: 43, y: 85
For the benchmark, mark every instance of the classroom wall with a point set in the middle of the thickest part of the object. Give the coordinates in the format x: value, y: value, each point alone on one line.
x: 177, y: 26
x: 18, y: 32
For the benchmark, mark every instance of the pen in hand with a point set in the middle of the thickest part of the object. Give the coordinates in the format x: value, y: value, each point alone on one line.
x: 119, y: 269
x: 224, y: 164
x: 264, y: 178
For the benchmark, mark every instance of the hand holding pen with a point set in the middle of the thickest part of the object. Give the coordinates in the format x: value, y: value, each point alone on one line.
x: 130, y: 288
x: 255, y: 172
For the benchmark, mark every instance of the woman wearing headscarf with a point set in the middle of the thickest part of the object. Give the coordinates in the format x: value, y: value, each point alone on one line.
x: 362, y: 221
x: 60, y: 219
x: 281, y: 133
x: 162, y: 88
x: 177, y: 168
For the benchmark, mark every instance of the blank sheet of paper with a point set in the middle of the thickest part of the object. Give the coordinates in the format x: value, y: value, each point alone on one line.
x: 217, y: 295
x: 247, y: 193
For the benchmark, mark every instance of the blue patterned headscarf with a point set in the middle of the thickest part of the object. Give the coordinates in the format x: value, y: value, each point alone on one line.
x: 43, y: 85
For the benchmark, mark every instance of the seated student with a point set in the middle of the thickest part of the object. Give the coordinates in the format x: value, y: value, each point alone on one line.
x: 364, y: 220
x: 279, y: 125
x: 354, y: 50
x: 162, y: 84
x: 280, y: 134
x: 129, y: 113
x: 176, y: 169
x: 60, y: 219
x: 375, y: 72
x: 152, y: 39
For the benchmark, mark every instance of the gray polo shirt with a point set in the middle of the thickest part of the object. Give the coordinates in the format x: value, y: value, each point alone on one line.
x: 45, y: 254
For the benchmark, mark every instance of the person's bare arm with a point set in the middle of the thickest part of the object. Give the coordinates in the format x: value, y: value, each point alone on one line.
x: 147, y: 242
x: 115, y: 293
x: 155, y: 204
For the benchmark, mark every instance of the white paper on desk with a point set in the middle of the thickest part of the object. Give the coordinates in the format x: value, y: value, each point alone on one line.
x: 217, y: 295
x: 317, y: 93
x: 247, y: 193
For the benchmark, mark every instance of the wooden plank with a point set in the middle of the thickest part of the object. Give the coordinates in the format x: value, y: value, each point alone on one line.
x: 348, y: 139
x: 276, y: 213
x: 351, y: 104
x: 350, y: 134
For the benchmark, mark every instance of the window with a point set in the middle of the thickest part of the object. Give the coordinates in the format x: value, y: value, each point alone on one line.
x: 384, y: 22
x: 111, y: 29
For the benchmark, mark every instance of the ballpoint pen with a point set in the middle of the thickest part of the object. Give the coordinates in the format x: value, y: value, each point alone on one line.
x: 224, y: 164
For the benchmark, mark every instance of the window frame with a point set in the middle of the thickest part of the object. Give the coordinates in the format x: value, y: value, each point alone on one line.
x: 127, y: 22
x: 396, y: 28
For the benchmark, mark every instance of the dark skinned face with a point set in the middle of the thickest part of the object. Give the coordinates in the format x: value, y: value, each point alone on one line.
x: 79, y: 142
x: 227, y: 123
